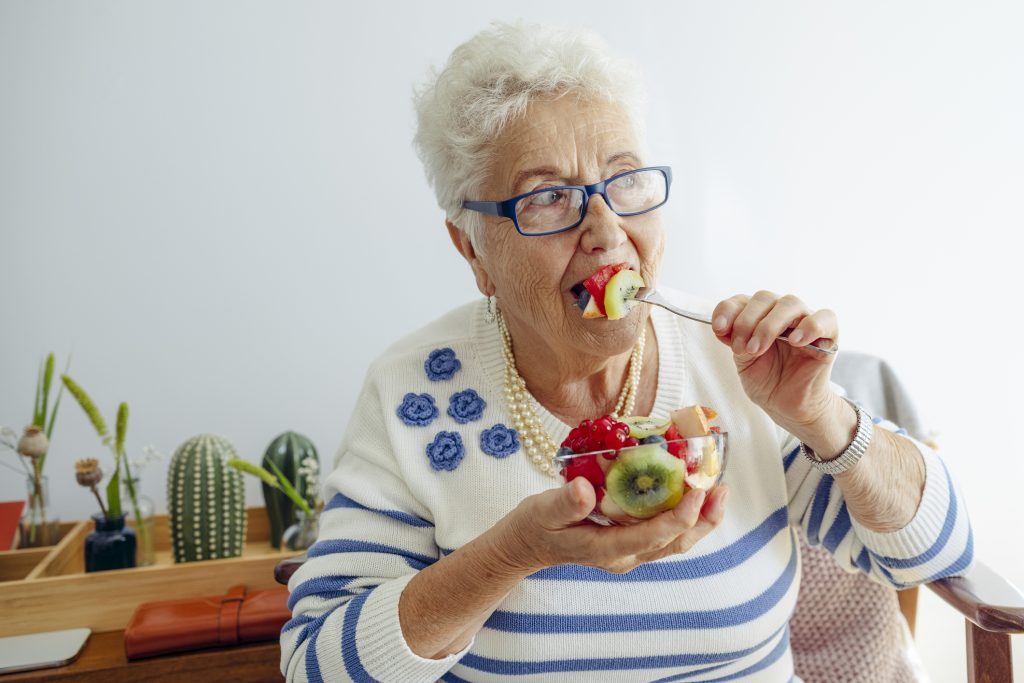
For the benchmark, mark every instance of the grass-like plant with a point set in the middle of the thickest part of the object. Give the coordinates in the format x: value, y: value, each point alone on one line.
x: 116, y: 445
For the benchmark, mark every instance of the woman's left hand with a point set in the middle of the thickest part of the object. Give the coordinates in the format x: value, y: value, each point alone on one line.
x: 788, y: 380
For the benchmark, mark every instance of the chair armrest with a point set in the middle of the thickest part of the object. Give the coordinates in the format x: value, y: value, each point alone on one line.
x: 285, y: 568
x: 984, y: 598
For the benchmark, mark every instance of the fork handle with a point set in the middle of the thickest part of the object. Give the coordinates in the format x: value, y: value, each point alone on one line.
x: 823, y: 345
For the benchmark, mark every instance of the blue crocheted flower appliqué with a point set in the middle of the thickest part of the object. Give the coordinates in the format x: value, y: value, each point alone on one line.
x: 445, y: 451
x: 499, y: 441
x: 441, y: 364
x: 466, y: 406
x: 417, y: 410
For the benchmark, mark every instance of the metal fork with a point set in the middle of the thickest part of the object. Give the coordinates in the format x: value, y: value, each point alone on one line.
x: 651, y: 296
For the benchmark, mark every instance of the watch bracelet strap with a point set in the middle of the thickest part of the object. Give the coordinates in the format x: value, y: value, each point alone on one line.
x: 852, y: 453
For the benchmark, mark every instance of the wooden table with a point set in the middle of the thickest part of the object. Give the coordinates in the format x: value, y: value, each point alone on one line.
x: 103, y: 659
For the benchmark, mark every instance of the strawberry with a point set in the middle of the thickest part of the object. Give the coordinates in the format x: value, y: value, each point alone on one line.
x: 630, y: 442
x: 585, y: 466
x: 597, y: 282
x: 678, y: 449
x: 671, y: 434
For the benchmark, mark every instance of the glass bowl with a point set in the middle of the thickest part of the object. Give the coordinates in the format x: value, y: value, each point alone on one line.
x: 637, y: 482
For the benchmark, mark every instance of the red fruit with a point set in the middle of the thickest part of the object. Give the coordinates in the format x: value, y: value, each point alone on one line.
x: 631, y: 441
x: 716, y: 430
x: 614, y: 440
x: 671, y: 433
x: 692, y: 464
x: 678, y: 449
x: 597, y: 282
x: 585, y: 466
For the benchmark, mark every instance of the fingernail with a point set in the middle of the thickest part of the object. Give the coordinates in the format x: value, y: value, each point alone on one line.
x: 724, y: 498
x: 753, y: 345
x: 720, y: 323
x: 698, y: 500
x: 796, y: 336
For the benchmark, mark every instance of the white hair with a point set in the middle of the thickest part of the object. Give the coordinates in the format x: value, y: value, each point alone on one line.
x: 488, y: 83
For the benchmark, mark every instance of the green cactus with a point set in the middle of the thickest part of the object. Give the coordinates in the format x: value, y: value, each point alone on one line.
x: 288, y: 451
x: 205, y: 500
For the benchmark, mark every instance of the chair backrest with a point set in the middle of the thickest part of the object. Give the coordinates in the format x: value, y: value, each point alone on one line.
x: 847, y: 627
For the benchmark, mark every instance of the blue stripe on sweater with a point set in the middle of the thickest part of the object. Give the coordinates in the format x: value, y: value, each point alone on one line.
x: 349, y: 650
x: 312, y: 663
x: 518, y: 622
x: 524, y: 668
x: 775, y: 655
x: 344, y: 545
x: 790, y: 457
x: 818, y: 506
x: 326, y: 587
x: 960, y: 563
x: 837, y: 532
x: 297, y: 621
x: 940, y: 542
x: 340, y: 500
x: 715, y: 562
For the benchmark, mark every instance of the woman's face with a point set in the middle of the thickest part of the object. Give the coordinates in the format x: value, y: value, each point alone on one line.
x: 567, y: 142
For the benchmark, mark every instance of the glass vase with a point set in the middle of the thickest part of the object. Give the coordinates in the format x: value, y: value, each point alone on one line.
x: 146, y: 554
x: 39, y: 526
x: 303, y: 533
x: 110, y: 546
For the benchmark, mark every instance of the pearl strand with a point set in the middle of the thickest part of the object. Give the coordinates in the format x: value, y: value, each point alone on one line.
x: 522, y: 407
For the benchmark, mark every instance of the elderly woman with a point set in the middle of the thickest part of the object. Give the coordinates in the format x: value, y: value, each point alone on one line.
x: 450, y: 549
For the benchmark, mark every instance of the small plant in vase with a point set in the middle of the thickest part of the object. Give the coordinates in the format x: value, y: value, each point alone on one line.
x: 111, y: 518
x: 39, y: 526
x: 302, y: 534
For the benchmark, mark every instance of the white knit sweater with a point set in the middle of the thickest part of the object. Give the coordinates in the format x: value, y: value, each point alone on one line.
x: 406, y: 491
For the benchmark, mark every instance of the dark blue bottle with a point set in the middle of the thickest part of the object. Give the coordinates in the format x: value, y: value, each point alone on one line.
x: 110, y: 546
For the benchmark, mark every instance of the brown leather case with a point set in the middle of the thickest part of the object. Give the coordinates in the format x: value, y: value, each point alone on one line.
x: 159, y: 628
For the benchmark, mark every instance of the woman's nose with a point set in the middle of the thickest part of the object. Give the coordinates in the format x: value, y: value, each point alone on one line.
x: 602, y: 229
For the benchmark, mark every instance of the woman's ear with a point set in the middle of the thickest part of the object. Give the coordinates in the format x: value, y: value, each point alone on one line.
x: 465, y: 246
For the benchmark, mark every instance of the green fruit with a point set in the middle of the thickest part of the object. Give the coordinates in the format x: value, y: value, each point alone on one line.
x: 620, y: 292
x: 646, y: 480
x: 288, y: 451
x: 641, y: 427
x: 205, y: 501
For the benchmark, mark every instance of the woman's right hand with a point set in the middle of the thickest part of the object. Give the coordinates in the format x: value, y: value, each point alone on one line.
x: 544, y: 530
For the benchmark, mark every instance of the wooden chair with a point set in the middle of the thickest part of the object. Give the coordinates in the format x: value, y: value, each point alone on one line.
x: 992, y: 607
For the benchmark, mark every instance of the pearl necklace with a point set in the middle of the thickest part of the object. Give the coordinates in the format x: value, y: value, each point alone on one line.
x: 522, y: 406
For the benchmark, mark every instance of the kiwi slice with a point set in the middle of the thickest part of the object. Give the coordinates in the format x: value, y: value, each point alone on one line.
x: 620, y: 292
x: 641, y: 427
x: 646, y: 480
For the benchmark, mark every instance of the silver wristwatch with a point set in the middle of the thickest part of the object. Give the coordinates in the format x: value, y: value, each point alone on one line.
x: 854, y: 452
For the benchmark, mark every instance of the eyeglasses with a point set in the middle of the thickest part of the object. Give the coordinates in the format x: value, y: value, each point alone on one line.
x: 551, y: 210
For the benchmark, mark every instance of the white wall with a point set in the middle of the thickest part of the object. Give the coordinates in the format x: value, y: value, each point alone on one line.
x: 199, y: 200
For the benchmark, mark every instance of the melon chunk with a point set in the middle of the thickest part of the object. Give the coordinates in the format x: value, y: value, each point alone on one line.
x: 691, y: 421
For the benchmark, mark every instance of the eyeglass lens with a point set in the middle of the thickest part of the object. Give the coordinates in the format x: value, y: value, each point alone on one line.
x: 556, y: 208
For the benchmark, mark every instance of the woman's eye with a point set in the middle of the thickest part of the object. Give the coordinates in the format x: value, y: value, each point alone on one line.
x: 546, y: 198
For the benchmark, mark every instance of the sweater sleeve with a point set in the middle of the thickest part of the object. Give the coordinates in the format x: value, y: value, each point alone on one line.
x: 374, y: 537
x: 937, y: 542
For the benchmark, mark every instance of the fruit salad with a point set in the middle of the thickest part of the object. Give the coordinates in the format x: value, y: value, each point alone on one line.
x: 641, y: 466
x: 608, y: 293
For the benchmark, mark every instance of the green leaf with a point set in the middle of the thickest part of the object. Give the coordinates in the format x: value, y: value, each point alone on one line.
x: 36, y: 409
x: 289, y: 490
x: 88, y: 406
x: 53, y: 415
x: 47, y: 380
x: 122, y: 428
x: 255, y: 470
x: 114, y: 495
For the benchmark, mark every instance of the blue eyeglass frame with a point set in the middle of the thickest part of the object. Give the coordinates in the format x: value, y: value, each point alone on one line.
x: 507, y: 207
